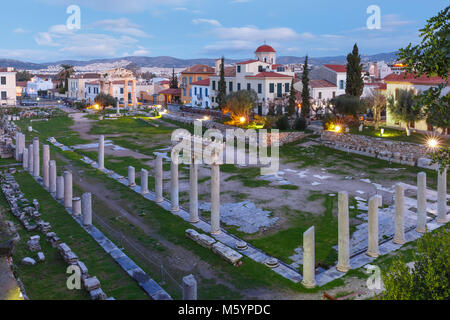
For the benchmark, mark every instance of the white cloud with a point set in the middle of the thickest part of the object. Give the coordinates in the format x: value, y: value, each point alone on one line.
x: 252, y: 33
x: 19, y: 31
x: 208, y: 21
x: 121, y: 26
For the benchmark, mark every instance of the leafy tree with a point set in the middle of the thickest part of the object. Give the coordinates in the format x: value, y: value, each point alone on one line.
x: 104, y: 100
x: 300, y: 124
x: 148, y: 75
x: 64, y: 75
x: 431, y: 57
x: 404, y: 108
x: 377, y: 103
x: 429, y: 279
x: 354, y: 84
x: 348, y: 105
x: 240, y: 104
x: 292, y: 104
x: 441, y: 157
x: 173, y: 80
x: 283, y: 122
x: 222, y: 87
x: 305, y: 90
x: 23, y: 76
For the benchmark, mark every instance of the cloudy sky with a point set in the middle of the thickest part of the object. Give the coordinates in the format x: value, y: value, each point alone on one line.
x: 36, y: 30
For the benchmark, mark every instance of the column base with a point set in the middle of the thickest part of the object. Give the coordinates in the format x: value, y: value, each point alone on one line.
x: 194, y: 220
x: 216, y: 232
x: 159, y: 200
x: 343, y: 268
x: 373, y: 254
x: 175, y: 209
x: 399, y: 241
x: 420, y: 230
x: 132, y: 185
x: 309, y: 284
x: 145, y: 192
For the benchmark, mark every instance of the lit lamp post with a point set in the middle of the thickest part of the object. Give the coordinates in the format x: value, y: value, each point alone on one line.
x: 381, y: 132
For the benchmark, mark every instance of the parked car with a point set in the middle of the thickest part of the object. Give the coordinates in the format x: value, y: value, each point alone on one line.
x: 28, y: 103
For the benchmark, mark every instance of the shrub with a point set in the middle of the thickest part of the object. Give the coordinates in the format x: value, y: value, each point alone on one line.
x: 283, y: 122
x: 300, y: 124
x: 328, y: 120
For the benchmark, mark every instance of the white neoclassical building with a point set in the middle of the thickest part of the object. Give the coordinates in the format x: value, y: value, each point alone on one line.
x: 8, y: 90
x: 200, y: 94
x: 271, y: 81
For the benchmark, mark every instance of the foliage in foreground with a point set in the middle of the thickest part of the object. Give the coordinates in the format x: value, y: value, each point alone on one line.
x: 430, y: 277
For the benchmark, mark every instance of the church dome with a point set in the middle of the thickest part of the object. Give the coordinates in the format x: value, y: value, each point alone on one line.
x: 265, y: 49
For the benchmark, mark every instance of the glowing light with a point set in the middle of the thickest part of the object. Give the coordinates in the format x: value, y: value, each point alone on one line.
x: 433, y: 143
x: 205, y: 118
x: 242, y: 119
x: 381, y: 132
x: 338, y: 128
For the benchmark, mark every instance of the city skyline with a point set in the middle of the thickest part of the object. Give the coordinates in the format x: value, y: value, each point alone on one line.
x: 202, y: 29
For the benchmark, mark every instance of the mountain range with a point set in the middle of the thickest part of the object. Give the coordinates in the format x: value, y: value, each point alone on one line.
x: 171, y: 62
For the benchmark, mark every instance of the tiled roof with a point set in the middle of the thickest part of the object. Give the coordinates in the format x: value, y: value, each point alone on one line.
x: 87, y: 76
x: 200, y: 68
x: 248, y: 61
x: 269, y: 75
x: 204, y: 82
x: 21, y: 83
x: 93, y: 83
x: 265, y: 48
x: 422, y: 80
x: 173, y: 92
x: 321, y: 84
x: 336, y: 67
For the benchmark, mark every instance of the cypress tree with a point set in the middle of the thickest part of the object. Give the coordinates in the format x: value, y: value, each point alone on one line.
x: 174, y: 81
x: 222, y: 86
x: 292, y: 100
x: 354, y: 85
x: 305, y: 91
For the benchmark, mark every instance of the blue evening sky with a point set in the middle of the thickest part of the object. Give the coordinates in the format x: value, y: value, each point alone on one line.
x: 35, y: 30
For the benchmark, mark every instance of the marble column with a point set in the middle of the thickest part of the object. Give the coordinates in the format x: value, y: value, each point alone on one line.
x: 125, y: 94
x: 174, y: 187
x: 21, y: 146
x: 215, y: 198
x: 374, y: 203
x: 36, y: 159
x: 159, y: 179
x: 59, y: 187
x: 309, y: 264
x: 86, y: 208
x: 45, y: 165
x: 25, y: 159
x: 133, y: 94
x: 442, y: 196
x: 193, y: 192
x: 52, y: 176
x: 344, y: 233
x: 131, y: 177
x: 421, y: 202
x: 101, y: 152
x: 16, y: 151
x: 399, y: 236
x: 144, y: 181
x: 76, y: 206
x: 68, y: 194
x: 30, y: 159
x: 189, y: 288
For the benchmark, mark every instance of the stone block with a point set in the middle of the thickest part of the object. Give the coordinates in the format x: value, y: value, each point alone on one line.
x: 227, y: 253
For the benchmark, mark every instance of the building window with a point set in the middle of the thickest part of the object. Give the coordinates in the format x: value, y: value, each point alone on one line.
x: 4, y: 95
x: 195, y: 91
x: 320, y: 95
x: 334, y: 94
x: 184, y: 92
x: 199, y: 78
x: 341, y: 84
x: 206, y: 92
x: 259, y: 88
x: 184, y: 80
x: 239, y: 87
x: 239, y: 69
x: 201, y: 92
x: 190, y: 80
x: 286, y: 87
x: 190, y: 92
x: 271, y: 88
x: 214, y: 85
x: 121, y: 90
x: 3, y: 81
x: 249, y: 86
x: 230, y: 86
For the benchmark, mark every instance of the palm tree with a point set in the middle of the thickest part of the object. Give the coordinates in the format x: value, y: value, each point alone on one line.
x: 64, y: 75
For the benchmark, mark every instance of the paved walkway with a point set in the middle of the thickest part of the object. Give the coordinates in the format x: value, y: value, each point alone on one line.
x: 283, y: 269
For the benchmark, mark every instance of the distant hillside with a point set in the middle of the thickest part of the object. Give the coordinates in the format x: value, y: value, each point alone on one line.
x: 170, y: 62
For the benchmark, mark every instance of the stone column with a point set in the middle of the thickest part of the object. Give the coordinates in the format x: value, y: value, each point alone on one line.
x: 344, y: 233
x: 86, y: 208
x: 374, y: 203
x: 59, y: 187
x: 16, y: 151
x: 193, y: 192
x: 133, y: 94
x: 125, y: 94
x: 45, y: 165
x: 159, y: 179
x: 144, y: 181
x: 309, y: 264
x: 215, y: 198
x: 442, y: 196
x: 421, y: 202
x: 76, y: 206
x: 189, y: 288
x: 30, y: 159
x: 21, y: 146
x: 68, y: 195
x: 36, y: 159
x: 131, y: 177
x: 110, y: 88
x: 174, y: 187
x: 399, y: 236
x: 101, y: 152
x: 25, y: 159
x: 52, y: 176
